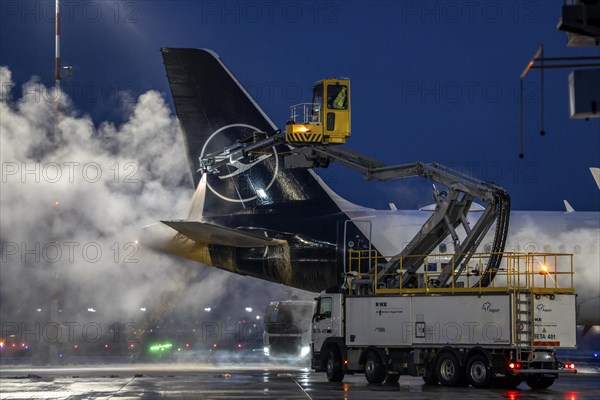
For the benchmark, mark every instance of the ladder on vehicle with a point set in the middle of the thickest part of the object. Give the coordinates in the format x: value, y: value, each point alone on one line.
x: 523, y: 320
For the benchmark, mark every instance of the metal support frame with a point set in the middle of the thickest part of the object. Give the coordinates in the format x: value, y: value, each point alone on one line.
x: 540, y: 62
x: 450, y: 212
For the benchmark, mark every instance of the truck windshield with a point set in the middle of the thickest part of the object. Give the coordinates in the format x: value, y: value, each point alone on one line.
x: 288, y: 318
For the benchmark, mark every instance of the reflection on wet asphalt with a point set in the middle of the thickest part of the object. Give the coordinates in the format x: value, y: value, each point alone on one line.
x: 185, y: 382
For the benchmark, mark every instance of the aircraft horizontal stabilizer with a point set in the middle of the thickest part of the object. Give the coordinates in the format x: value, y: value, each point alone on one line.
x: 596, y: 173
x: 568, y: 207
x: 215, y: 234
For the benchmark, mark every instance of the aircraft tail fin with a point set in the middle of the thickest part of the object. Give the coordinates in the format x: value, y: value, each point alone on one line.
x: 216, y: 112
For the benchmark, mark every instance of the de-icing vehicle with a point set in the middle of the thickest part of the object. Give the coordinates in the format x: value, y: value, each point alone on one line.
x: 500, y: 334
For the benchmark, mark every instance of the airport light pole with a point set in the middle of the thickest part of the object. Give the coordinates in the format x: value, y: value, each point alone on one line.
x: 52, y: 345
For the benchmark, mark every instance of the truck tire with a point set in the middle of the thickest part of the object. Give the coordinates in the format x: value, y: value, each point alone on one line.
x: 374, y: 368
x: 333, y: 366
x: 539, y: 381
x: 448, y: 370
x: 479, y: 372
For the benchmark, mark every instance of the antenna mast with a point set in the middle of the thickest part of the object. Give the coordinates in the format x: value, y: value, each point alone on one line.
x: 57, y: 73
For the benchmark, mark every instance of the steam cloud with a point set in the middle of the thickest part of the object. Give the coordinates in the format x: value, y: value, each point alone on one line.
x: 583, y: 243
x: 109, y: 182
x: 75, y: 211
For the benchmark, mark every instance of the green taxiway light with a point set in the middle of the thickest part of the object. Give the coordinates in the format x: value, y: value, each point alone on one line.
x: 161, y: 347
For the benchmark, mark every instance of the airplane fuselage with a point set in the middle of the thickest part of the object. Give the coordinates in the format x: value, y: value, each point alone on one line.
x: 317, y: 246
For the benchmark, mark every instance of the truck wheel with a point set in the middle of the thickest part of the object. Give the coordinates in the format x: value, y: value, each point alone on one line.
x: 333, y: 366
x: 448, y: 370
x: 479, y: 372
x: 374, y: 368
x: 539, y: 381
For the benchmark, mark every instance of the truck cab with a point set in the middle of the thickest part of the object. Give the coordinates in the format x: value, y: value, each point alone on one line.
x: 325, y: 121
x: 287, y: 334
x: 327, y: 333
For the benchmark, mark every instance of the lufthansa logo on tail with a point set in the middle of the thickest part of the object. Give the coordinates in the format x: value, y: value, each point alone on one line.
x: 224, y: 137
x: 238, y: 166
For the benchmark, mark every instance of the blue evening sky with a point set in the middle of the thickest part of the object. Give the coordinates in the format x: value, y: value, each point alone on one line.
x: 431, y: 81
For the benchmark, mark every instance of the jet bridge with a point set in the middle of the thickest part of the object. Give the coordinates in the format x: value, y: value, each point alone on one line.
x: 450, y: 212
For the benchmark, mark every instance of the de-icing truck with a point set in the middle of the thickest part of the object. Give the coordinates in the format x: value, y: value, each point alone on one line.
x: 499, y: 335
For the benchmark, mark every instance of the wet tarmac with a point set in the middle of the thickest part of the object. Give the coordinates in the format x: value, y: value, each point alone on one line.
x: 250, y: 382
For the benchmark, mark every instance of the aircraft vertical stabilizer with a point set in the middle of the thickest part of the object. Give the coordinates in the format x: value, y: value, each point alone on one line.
x: 251, y: 216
